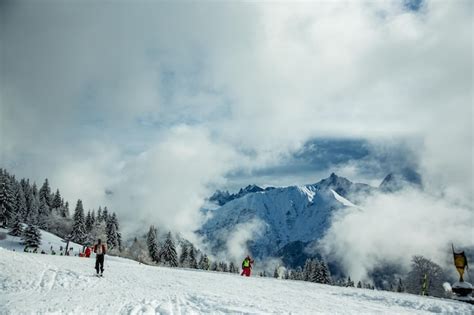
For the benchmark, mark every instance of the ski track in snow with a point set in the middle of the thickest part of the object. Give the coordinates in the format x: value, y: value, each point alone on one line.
x: 35, y: 283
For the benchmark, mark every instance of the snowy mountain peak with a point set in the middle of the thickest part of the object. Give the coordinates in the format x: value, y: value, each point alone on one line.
x: 396, y: 181
x: 280, y: 216
x: 223, y: 197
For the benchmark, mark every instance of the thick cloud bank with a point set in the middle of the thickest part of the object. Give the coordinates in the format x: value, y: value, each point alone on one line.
x: 393, y: 228
x: 157, y: 103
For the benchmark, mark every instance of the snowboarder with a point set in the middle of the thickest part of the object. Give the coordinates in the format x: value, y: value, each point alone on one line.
x: 246, y: 266
x: 100, y: 250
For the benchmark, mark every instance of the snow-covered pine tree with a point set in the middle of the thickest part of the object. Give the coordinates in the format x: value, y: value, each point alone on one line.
x: 307, y: 270
x: 204, y: 262
x: 152, y: 244
x: 286, y: 275
x: 89, y: 223
x: 213, y: 266
x: 192, y: 263
x: 224, y: 266
x: 98, y: 232
x: 45, y: 193
x: 233, y: 268
x: 78, y: 233
x: 105, y: 214
x: 43, y: 214
x: 359, y: 285
x: 349, y: 282
x: 21, y: 203
x: 56, y: 203
x: 64, y: 212
x: 17, y: 227
x: 168, y: 254
x: 32, y: 236
x: 100, y: 218
x: 15, y: 190
x: 112, y: 239
x: 32, y: 216
x: 315, y: 274
x: 93, y: 218
x: 6, y: 199
x: 275, y: 273
x: 183, y: 258
x: 400, y: 286
x: 325, y: 273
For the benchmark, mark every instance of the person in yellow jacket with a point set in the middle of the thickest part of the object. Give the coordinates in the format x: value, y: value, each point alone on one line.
x: 247, y: 266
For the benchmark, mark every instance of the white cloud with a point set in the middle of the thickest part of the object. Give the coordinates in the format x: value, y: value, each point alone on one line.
x: 250, y: 84
x: 393, y: 228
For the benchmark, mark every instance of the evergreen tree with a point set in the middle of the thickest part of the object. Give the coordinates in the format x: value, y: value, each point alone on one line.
x: 7, y: 200
x: 168, y: 252
x: 299, y: 273
x: 89, y: 223
x: 192, y: 263
x: 222, y: 266
x: 43, y: 214
x: 98, y: 231
x: 32, y: 216
x: 57, y: 201
x: 275, y: 273
x: 152, y: 244
x: 105, y: 214
x: 349, y: 282
x: 65, y: 210
x: 99, y: 215
x: 359, y: 285
x: 78, y: 233
x: 21, y: 203
x: 204, y: 262
x: 112, y: 239
x: 45, y: 193
x: 233, y: 268
x: 307, y: 270
x: 17, y: 227
x: 114, y: 236
x: 325, y: 273
x: 93, y: 219
x: 314, y: 275
x: 286, y: 275
x: 183, y: 258
x: 32, y: 236
x: 213, y: 266
x: 400, y: 286
x: 138, y: 251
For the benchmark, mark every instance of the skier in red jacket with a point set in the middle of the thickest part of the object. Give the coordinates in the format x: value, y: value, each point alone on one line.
x: 100, y: 250
x: 247, y: 266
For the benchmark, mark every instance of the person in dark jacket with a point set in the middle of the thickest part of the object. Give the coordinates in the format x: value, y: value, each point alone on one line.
x: 99, y: 250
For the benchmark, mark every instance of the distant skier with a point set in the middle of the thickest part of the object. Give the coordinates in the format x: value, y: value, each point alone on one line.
x: 100, y: 250
x: 88, y: 252
x: 246, y: 266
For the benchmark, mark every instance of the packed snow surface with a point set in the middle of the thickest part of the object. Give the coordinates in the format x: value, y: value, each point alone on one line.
x: 36, y: 283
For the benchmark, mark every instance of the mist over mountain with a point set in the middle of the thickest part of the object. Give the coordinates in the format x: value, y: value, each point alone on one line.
x: 271, y: 222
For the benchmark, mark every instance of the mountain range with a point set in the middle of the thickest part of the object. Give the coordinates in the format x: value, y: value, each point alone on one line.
x: 282, y: 221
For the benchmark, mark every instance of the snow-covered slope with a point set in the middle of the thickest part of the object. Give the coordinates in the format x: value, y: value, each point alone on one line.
x: 280, y: 216
x: 48, y: 241
x: 35, y: 283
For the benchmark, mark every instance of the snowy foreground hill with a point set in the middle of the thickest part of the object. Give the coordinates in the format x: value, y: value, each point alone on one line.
x: 35, y: 283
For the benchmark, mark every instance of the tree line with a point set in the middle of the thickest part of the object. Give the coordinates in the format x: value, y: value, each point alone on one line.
x: 23, y: 204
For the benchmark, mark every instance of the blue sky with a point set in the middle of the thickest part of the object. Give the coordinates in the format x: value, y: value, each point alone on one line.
x: 162, y: 103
